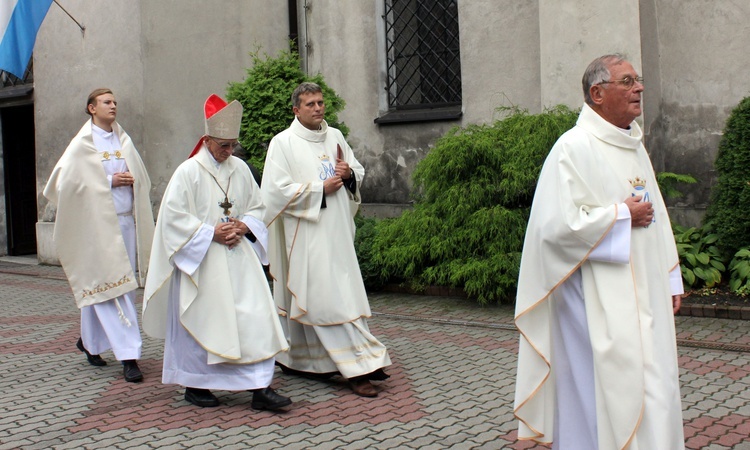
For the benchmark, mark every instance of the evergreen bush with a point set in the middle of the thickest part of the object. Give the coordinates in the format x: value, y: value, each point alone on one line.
x: 265, y: 95
x: 730, y: 198
x: 363, y: 240
x: 473, y: 194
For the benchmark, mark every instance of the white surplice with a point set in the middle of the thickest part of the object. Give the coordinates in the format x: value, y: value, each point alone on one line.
x: 594, y: 307
x: 317, y: 281
x: 211, y: 304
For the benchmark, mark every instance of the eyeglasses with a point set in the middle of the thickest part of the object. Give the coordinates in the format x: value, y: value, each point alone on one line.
x: 628, y: 81
x: 224, y: 145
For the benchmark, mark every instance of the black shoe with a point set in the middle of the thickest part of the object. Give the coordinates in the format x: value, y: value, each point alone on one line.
x: 201, y: 397
x: 94, y: 360
x: 378, y: 375
x: 268, y: 399
x: 131, y: 371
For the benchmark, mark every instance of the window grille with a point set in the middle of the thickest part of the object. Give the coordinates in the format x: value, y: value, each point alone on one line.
x: 422, y: 53
x: 8, y: 80
x: 12, y: 87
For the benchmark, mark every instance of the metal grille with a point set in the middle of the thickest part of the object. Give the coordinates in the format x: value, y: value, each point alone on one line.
x: 7, y: 79
x: 423, y: 58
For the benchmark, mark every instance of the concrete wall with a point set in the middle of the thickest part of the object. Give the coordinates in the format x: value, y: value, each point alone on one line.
x: 500, y: 57
x: 703, y: 51
x: 573, y: 33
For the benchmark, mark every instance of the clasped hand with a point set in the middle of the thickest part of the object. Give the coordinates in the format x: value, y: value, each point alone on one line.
x: 230, y: 233
x: 641, y: 213
x: 343, y: 172
x: 122, y: 179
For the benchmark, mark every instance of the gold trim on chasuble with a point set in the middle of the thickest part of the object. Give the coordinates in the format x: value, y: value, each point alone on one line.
x: 106, y: 286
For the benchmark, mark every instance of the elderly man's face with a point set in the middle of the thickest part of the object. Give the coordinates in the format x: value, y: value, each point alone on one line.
x: 221, y: 149
x: 620, y: 105
x: 311, y: 110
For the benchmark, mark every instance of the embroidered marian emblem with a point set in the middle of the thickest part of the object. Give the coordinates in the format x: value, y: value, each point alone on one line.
x: 639, y: 188
x: 326, y: 168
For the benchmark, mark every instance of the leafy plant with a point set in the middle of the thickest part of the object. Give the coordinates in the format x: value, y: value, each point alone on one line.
x: 667, y: 183
x: 473, y: 193
x: 730, y: 198
x: 363, y: 244
x: 739, y: 272
x: 265, y: 95
x: 701, y: 261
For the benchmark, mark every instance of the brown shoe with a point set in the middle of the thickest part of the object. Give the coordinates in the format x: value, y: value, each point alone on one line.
x: 363, y: 387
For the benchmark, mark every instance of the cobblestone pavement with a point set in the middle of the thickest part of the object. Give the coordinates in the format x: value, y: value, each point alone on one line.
x: 451, y: 383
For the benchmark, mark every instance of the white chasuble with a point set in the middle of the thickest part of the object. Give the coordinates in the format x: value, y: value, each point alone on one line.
x: 87, y: 233
x: 317, y: 281
x: 225, y: 303
x: 589, y: 172
x: 315, y: 240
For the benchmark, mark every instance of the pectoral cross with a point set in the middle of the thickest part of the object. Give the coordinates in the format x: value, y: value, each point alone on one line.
x: 226, y: 204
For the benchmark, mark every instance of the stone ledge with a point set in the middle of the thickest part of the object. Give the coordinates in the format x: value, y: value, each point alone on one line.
x: 688, y: 309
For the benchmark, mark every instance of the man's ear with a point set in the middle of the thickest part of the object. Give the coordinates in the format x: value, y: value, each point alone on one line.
x: 90, y: 108
x: 597, y: 94
x: 295, y: 110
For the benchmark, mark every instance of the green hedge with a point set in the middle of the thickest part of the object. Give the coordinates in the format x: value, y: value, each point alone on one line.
x: 473, y: 193
x: 265, y: 95
x: 728, y: 212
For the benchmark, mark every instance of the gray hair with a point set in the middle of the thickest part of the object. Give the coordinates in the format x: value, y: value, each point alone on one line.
x: 304, y: 88
x: 597, y: 72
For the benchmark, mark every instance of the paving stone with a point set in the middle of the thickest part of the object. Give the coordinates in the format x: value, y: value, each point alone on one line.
x: 452, y: 384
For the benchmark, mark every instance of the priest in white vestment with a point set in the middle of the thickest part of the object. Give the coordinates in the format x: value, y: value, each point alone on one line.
x: 206, y: 293
x: 599, y: 285
x: 311, y: 190
x: 103, y: 232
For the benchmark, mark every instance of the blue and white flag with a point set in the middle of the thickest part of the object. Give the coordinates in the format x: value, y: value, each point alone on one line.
x: 19, y: 22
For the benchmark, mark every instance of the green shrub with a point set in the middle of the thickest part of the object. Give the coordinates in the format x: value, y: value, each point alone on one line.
x: 265, y: 95
x: 739, y: 272
x: 701, y: 261
x: 473, y: 193
x: 363, y: 244
x: 667, y: 183
x: 730, y: 197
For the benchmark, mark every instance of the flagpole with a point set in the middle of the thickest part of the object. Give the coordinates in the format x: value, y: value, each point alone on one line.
x: 83, y: 28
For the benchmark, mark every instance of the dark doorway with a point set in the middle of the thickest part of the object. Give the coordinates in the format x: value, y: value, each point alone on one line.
x: 19, y: 161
